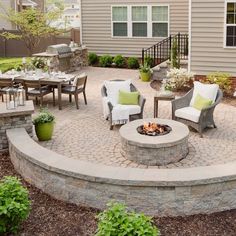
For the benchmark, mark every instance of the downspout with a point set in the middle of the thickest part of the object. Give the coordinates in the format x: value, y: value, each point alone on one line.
x: 189, y: 35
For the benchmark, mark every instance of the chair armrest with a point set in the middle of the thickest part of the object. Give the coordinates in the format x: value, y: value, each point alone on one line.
x: 206, y: 111
x: 142, y: 101
x: 182, y: 101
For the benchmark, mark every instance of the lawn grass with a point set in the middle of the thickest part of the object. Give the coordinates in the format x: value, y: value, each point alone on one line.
x: 9, y: 63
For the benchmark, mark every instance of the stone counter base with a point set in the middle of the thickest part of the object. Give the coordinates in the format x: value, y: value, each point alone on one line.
x: 158, y: 192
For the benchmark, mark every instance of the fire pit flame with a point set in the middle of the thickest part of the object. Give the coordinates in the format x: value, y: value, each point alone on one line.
x: 153, y: 129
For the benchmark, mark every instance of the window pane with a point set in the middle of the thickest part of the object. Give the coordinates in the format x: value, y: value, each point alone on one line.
x: 230, y: 18
x: 160, y: 30
x: 119, y: 14
x: 230, y: 41
x: 140, y: 29
x: 230, y: 30
x: 160, y: 13
x: 139, y: 13
x: 120, y: 29
x: 231, y: 36
x: 230, y: 8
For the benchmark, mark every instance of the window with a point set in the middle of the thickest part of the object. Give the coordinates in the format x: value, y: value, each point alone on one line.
x: 140, y: 21
x: 120, y: 21
x: 160, y: 21
x: 231, y: 24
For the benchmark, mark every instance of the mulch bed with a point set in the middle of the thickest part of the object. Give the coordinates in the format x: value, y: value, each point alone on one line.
x: 50, y: 217
x: 226, y: 100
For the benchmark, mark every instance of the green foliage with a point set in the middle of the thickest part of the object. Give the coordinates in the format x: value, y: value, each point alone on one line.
x: 39, y: 62
x: 92, y: 58
x: 33, y: 25
x: 7, y: 64
x: 14, y: 204
x: 149, y: 61
x: 222, y: 79
x: 118, y: 221
x: 105, y: 61
x: 43, y: 117
x: 145, y: 68
x: 133, y: 63
x: 175, y: 59
x: 119, y: 60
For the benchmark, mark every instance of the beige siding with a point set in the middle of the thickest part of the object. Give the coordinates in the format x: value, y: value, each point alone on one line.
x: 207, y: 48
x: 96, y: 26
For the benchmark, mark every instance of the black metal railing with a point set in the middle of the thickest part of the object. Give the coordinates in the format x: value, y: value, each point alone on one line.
x: 161, y: 51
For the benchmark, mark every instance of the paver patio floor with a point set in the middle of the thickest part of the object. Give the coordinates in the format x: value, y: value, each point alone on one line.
x: 84, y: 134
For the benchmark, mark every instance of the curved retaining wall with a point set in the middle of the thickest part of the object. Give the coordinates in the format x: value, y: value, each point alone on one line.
x: 162, y: 192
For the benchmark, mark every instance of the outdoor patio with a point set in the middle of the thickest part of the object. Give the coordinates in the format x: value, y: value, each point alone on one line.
x: 84, y: 134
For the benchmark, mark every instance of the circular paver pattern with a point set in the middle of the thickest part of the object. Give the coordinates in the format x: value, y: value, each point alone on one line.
x: 84, y: 134
x: 155, y: 150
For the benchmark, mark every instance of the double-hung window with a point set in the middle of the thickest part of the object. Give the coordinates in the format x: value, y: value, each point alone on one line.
x: 140, y: 21
x: 231, y: 23
x: 160, y: 21
x: 120, y: 21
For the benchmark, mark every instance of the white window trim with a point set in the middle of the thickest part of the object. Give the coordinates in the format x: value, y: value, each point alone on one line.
x: 149, y: 21
x: 225, y: 24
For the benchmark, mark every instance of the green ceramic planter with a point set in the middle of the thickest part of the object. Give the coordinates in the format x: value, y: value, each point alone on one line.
x: 44, y: 131
x: 145, y: 76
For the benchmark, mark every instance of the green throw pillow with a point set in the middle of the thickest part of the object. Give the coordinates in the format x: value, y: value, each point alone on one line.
x: 201, y: 102
x: 128, y: 98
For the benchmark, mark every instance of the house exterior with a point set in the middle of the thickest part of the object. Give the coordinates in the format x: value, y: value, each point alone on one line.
x: 126, y: 26
x: 17, y: 5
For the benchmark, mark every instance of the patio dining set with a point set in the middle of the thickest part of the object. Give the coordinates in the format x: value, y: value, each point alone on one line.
x: 39, y: 85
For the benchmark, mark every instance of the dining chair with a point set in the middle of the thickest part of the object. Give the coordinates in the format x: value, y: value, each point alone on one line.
x: 35, y: 88
x: 78, y: 86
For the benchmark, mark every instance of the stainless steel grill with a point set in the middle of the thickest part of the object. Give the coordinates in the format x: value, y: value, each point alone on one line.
x: 62, y: 50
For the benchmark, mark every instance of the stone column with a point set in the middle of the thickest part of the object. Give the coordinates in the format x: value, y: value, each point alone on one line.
x: 16, y: 118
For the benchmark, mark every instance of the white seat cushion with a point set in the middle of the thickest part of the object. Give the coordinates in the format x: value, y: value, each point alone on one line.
x: 208, y: 91
x: 133, y: 109
x: 188, y: 113
x: 113, y: 88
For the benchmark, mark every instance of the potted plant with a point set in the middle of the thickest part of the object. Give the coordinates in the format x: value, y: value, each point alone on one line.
x: 44, y: 124
x: 145, y: 72
x: 39, y: 64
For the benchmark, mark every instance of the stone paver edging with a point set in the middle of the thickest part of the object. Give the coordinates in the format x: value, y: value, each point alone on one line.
x: 159, y: 192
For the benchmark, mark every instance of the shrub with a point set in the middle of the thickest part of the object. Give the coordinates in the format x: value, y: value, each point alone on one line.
x: 118, y: 221
x: 149, y: 61
x: 119, y: 61
x: 105, y: 61
x: 175, y: 59
x: 43, y: 117
x: 222, y: 79
x: 92, y: 58
x: 133, y: 63
x: 178, y: 79
x: 39, y: 63
x: 14, y: 204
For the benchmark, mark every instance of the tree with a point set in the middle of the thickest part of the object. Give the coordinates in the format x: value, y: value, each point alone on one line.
x: 33, y: 25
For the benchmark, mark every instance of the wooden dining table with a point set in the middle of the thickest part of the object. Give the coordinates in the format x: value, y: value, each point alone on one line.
x: 56, y: 81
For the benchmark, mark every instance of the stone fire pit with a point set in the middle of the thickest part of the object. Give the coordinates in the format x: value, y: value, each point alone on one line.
x: 154, y: 150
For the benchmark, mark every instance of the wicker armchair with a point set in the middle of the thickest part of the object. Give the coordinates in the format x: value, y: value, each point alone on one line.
x: 142, y: 101
x: 206, y: 115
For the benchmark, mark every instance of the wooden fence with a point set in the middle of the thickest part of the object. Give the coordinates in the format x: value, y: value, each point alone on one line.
x: 17, y: 48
